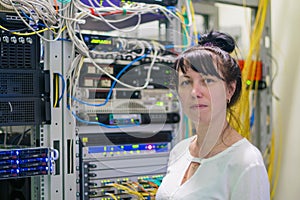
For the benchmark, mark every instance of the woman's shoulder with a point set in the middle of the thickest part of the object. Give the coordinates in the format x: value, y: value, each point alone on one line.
x: 181, y: 147
x: 244, y: 152
x: 184, y: 143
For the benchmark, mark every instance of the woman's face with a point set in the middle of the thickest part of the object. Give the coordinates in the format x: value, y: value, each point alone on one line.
x: 203, y: 97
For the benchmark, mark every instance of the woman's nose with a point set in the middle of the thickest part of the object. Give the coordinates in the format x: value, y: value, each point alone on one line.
x: 198, y: 90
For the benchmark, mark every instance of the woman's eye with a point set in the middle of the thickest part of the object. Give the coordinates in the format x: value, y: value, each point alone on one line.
x: 185, y: 82
x: 209, y: 80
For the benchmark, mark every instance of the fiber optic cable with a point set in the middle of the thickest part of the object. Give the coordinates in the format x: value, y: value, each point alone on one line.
x: 242, y: 107
x: 111, y: 195
x: 193, y: 21
x: 186, y: 21
x: 122, y: 187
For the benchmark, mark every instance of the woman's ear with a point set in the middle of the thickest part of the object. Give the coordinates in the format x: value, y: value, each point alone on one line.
x: 231, y: 89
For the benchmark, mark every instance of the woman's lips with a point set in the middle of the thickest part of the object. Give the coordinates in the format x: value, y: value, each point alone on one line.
x: 198, y: 106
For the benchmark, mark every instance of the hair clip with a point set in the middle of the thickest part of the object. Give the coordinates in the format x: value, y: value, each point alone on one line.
x: 208, y: 44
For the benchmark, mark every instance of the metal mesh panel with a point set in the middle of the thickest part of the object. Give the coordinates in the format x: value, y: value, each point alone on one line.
x: 19, y: 83
x: 20, y: 111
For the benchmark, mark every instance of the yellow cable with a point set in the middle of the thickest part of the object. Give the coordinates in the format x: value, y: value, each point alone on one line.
x: 26, y: 34
x: 271, y: 158
x: 131, y: 185
x: 32, y: 33
x: 249, y: 70
x: 194, y: 22
x: 111, y: 195
x: 277, y: 146
x: 242, y: 108
x: 185, y: 32
x: 130, y: 191
x: 62, y: 29
x: 141, y: 187
x: 56, y: 90
x: 4, y: 28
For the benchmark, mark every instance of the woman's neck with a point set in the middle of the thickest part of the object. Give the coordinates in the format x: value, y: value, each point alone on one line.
x: 209, y: 138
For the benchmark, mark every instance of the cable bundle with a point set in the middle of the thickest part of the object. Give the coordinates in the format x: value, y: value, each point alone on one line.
x: 242, y: 109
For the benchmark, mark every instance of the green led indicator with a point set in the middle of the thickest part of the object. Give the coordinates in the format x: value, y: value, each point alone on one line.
x: 159, y: 103
x: 167, y: 71
x: 135, y: 146
x: 170, y: 95
x: 248, y: 82
x: 96, y: 118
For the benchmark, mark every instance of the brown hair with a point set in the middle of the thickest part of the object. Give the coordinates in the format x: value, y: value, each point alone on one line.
x: 212, y: 57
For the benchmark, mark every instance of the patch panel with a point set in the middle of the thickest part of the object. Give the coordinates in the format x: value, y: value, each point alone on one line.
x: 145, y: 186
x: 123, y: 165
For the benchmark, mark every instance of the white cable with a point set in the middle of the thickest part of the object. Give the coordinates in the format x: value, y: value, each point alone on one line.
x: 6, y: 4
x: 118, y: 81
x: 55, y: 154
x: 189, y: 14
x: 32, y: 5
x: 136, y: 8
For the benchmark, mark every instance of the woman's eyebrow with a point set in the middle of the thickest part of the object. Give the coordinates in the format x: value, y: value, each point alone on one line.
x: 184, y: 76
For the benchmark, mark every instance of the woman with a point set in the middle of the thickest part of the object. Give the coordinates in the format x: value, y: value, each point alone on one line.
x: 217, y: 162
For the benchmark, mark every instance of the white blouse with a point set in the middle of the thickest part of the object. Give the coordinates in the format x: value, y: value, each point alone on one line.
x: 237, y: 173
